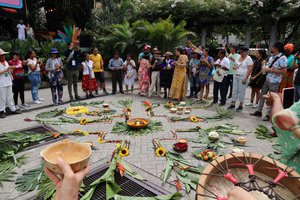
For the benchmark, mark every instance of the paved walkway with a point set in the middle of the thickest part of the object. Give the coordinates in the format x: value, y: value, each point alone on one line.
x: 142, y: 154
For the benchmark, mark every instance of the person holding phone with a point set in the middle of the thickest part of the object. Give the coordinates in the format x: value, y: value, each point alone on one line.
x: 72, y: 64
x: 296, y: 65
x: 6, y: 96
x: 34, y: 76
x: 277, y: 65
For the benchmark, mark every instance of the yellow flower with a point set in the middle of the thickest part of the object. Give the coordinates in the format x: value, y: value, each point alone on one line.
x: 129, y: 109
x: 85, y: 133
x: 193, y: 119
x: 160, y: 151
x: 124, y: 152
x: 77, y: 110
x: 78, y: 131
x: 100, y: 140
x: 148, y: 108
x: 83, y: 121
x: 118, y: 145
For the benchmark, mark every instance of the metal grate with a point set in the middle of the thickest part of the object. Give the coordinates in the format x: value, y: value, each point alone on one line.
x: 129, y: 185
x: 42, y: 130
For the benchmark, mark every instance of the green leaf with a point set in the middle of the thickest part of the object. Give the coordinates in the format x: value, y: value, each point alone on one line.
x: 129, y: 171
x: 50, y: 114
x: 175, y: 196
x: 6, y: 176
x: 111, y: 189
x: 29, y: 180
x: 167, y: 170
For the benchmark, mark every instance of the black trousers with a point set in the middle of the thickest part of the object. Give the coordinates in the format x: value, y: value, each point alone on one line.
x: 194, y: 86
x: 117, y: 77
x: 18, y: 88
x: 229, y: 83
x: 223, y: 90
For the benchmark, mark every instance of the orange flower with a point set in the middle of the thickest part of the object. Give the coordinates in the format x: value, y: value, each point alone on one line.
x: 55, y: 135
x: 121, y: 169
x: 147, y: 103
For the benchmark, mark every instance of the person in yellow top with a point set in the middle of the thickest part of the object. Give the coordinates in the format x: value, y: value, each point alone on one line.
x: 98, y: 69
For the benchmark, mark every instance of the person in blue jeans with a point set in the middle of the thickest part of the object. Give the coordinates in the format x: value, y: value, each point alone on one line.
x: 34, y: 76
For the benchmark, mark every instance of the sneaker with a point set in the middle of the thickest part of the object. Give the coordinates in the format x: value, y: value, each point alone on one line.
x: 24, y: 105
x: 55, y: 103
x: 105, y: 93
x: 222, y: 104
x: 266, y: 118
x: 231, y: 107
x: 96, y: 92
x: 91, y: 95
x: 60, y: 102
x: 16, y: 111
x: 17, y: 107
x: 41, y: 99
x: 78, y: 98
x: 239, y: 109
x: 255, y: 105
x: 37, y: 102
x: 249, y: 104
x: 256, y: 113
x: 2, y: 114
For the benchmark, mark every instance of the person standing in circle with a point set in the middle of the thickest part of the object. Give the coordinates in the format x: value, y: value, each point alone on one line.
x: 21, y: 30
x: 98, y: 69
x: 19, y: 80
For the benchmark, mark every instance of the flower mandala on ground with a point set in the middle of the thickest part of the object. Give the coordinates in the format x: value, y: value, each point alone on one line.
x: 83, y: 121
x: 85, y: 133
x: 124, y: 152
x: 77, y: 110
x: 194, y: 119
x: 160, y: 151
x: 148, y: 108
x: 55, y: 135
x: 78, y: 131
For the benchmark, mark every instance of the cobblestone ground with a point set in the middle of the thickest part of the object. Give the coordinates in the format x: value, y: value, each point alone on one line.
x: 142, y: 154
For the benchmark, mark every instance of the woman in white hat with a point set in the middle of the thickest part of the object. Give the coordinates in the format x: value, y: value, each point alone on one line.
x: 6, y: 96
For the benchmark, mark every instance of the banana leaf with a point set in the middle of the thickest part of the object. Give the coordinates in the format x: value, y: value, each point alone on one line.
x: 50, y: 114
x: 6, y: 177
x: 174, y: 196
x: 10, y: 163
x: 122, y: 127
x: 130, y: 172
x: 125, y: 103
x: 29, y: 180
x: 167, y: 171
x: 23, y: 137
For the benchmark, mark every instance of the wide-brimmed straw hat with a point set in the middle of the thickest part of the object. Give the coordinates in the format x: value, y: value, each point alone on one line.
x: 3, y: 52
x: 54, y: 51
x: 168, y: 53
x: 197, y: 51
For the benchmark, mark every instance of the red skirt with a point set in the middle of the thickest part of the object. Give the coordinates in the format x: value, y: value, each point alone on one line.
x: 89, y: 84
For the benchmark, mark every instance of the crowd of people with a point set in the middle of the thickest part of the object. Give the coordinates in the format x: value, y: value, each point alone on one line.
x: 188, y: 73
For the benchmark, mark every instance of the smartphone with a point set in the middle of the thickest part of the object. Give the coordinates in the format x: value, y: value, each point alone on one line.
x: 288, y: 97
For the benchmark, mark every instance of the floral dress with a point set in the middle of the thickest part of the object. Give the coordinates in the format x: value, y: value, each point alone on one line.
x: 205, y: 71
x: 290, y: 143
x: 144, y: 77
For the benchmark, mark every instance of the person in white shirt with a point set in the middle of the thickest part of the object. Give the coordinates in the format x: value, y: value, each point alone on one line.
x: 89, y: 82
x: 242, y: 70
x: 34, y: 76
x: 222, y: 67
x: 21, y: 30
x: 29, y: 31
x: 130, y: 73
x: 6, y: 96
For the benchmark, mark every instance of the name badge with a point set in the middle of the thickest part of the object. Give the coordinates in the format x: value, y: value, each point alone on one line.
x: 73, y: 63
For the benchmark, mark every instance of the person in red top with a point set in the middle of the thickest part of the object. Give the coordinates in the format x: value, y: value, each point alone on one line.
x: 19, y: 79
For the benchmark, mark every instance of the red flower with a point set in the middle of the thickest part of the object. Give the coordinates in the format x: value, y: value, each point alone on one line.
x: 28, y: 119
x: 121, y: 169
x: 147, y: 103
x: 55, y: 135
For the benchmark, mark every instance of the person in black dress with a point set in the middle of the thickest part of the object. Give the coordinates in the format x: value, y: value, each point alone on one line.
x: 166, y: 73
x: 257, y: 78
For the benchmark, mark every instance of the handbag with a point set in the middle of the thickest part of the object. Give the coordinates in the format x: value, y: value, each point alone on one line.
x: 219, y: 75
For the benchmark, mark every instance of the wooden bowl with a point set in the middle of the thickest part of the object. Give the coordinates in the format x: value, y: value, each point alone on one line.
x: 105, y: 105
x: 106, y: 110
x: 180, y: 108
x: 138, y: 123
x: 173, y: 110
x: 291, y: 185
x: 180, y: 147
x: 74, y: 153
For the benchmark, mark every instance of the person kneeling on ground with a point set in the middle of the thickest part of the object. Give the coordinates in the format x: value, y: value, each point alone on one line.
x: 6, y: 96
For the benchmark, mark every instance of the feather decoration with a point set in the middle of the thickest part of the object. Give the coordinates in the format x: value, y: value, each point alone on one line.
x: 71, y: 33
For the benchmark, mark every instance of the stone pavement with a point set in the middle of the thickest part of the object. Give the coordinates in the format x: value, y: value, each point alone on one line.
x: 142, y: 154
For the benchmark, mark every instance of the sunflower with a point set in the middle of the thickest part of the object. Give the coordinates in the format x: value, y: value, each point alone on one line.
x: 100, y: 140
x: 83, y: 121
x: 124, y: 152
x: 193, y: 119
x: 77, y: 110
x: 85, y: 133
x: 78, y: 131
x: 160, y: 151
x: 148, y: 108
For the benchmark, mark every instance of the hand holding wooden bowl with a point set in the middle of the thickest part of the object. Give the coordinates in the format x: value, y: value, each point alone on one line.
x: 138, y: 123
x: 76, y: 154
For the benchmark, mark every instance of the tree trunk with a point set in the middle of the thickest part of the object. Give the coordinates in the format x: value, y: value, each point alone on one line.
x: 274, y: 31
x: 203, y: 36
x: 248, y: 35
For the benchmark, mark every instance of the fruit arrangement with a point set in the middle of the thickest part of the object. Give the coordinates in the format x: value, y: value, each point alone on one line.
x: 207, y: 155
x: 170, y: 104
